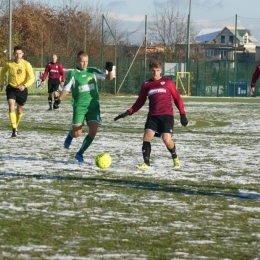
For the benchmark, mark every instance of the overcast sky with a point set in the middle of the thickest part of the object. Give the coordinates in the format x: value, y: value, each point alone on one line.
x: 203, y: 12
x: 135, y: 10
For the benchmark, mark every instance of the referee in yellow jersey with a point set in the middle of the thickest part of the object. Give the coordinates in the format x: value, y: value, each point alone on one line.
x: 20, y: 76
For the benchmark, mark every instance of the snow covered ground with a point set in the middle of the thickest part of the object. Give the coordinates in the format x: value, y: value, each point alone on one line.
x: 220, y: 146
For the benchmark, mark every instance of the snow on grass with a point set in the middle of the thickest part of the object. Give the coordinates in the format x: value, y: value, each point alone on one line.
x: 182, y: 212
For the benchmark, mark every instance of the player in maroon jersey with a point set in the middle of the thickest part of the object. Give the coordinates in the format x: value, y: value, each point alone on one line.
x: 160, y: 92
x: 255, y: 77
x: 56, y: 78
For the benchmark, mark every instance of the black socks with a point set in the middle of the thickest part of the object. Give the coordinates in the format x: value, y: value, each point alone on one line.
x: 146, y: 150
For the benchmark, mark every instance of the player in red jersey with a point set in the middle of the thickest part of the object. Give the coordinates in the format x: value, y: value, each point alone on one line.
x: 56, y: 78
x: 160, y: 92
x: 255, y: 77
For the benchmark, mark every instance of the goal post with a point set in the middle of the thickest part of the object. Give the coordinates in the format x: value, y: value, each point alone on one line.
x: 183, y: 83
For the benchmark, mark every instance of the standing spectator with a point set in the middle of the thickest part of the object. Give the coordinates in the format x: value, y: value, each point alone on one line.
x: 82, y: 83
x: 160, y: 92
x: 56, y: 78
x: 20, y: 77
x: 255, y: 77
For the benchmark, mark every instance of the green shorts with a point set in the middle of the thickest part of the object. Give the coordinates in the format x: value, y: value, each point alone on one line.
x: 80, y: 114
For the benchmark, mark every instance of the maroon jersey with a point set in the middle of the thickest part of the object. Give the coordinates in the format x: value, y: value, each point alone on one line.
x: 55, y: 71
x: 160, y: 94
x: 255, y: 76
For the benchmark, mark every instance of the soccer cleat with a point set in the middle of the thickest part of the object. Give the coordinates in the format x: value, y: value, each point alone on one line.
x: 176, y: 163
x: 50, y: 109
x: 79, y: 157
x: 143, y: 166
x: 14, y: 133
x: 55, y: 107
x: 68, y: 141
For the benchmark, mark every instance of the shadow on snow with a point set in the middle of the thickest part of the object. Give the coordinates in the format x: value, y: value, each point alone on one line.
x: 123, y: 183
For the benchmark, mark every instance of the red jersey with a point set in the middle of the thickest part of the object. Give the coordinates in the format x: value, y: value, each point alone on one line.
x: 255, y: 75
x: 160, y: 94
x: 55, y: 71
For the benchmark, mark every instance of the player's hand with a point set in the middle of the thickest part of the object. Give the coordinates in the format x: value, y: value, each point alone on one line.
x: 184, y: 120
x: 121, y: 115
x: 22, y: 87
x: 62, y: 83
x: 109, y: 66
x: 56, y: 103
x: 252, y: 90
x: 1, y: 87
x: 43, y: 82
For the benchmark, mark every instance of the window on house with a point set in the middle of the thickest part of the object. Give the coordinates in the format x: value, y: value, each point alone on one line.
x: 222, y: 39
x: 223, y: 54
x: 245, y: 37
x: 210, y: 53
x: 231, y: 39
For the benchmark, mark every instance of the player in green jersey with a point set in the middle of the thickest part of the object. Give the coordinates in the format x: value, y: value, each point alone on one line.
x: 82, y: 83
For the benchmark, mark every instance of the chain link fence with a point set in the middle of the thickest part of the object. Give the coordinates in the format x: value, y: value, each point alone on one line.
x: 208, y: 78
x: 131, y: 52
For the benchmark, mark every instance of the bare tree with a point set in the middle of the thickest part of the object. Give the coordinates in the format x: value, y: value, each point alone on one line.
x: 169, y: 28
x: 111, y: 24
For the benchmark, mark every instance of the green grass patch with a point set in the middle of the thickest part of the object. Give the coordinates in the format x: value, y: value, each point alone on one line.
x: 51, y: 207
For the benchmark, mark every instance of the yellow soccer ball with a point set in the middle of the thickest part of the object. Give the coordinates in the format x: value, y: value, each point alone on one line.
x: 103, y: 160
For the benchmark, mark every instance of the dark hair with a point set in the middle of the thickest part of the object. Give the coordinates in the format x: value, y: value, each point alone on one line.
x: 155, y: 64
x: 18, y: 48
x: 82, y: 53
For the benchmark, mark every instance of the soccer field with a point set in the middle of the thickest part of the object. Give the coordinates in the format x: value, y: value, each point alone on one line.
x: 52, y: 207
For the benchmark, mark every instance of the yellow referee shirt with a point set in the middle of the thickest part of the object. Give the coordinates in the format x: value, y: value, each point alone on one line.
x: 19, y: 74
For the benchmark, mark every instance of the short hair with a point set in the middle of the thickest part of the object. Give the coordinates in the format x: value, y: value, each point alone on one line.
x: 155, y: 64
x: 18, y: 48
x: 81, y: 53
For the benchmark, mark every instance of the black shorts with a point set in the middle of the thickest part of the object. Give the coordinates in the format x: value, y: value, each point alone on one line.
x: 53, y: 85
x: 15, y: 93
x: 160, y: 124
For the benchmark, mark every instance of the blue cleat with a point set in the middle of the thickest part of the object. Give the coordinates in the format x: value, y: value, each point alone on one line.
x: 79, y: 157
x: 68, y: 141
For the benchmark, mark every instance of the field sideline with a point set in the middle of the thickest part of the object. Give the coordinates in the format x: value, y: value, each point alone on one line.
x: 52, y: 207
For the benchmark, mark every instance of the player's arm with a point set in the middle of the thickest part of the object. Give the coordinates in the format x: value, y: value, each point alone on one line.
x: 57, y: 101
x: 2, y: 75
x: 255, y: 77
x: 140, y: 101
x: 63, y: 94
x: 46, y: 71
x: 99, y: 74
x: 70, y: 81
x: 178, y: 103
x: 176, y: 98
x: 30, y: 75
x: 62, y: 73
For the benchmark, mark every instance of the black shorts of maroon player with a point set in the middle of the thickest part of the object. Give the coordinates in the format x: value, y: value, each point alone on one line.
x: 15, y: 93
x: 53, y: 85
x: 160, y: 124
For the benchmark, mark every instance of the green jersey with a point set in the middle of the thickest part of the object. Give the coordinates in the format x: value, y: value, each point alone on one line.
x: 83, y: 86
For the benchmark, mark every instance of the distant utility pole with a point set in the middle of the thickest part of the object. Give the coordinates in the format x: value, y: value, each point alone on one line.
x: 188, y: 41
x: 145, y: 47
x: 10, y: 31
